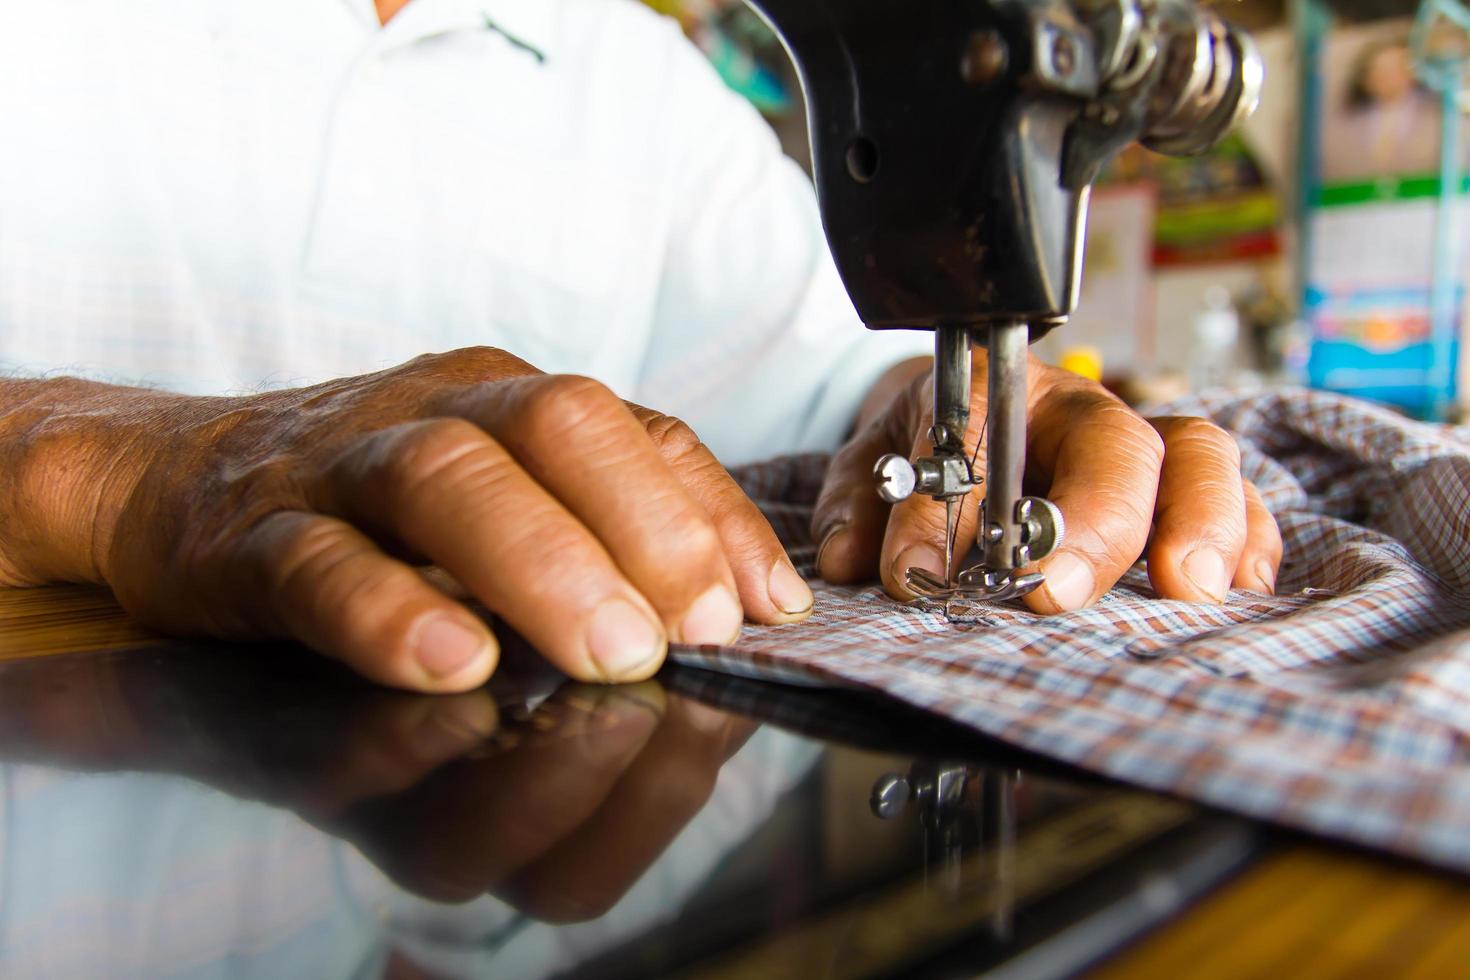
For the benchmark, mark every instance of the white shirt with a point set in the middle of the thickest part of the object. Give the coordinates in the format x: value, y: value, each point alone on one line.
x: 222, y: 195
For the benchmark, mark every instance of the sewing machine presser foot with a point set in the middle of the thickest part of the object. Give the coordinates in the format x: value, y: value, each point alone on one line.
x: 977, y: 584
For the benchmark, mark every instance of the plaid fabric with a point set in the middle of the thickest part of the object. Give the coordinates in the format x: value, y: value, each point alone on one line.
x: 1341, y: 706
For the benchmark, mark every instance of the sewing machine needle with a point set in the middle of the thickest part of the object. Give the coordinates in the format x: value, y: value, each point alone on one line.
x: 949, y: 534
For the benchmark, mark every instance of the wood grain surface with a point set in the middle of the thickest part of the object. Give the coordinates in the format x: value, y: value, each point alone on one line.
x: 1311, y: 912
x: 64, y: 619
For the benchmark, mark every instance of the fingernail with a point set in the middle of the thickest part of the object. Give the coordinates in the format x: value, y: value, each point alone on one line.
x: 457, y: 724
x: 715, y: 618
x: 622, y: 639
x: 647, y: 695
x: 1205, y: 570
x: 789, y: 590
x: 1069, y: 582
x: 614, y: 731
x: 1267, y: 575
x: 831, y: 538
x: 472, y: 713
x: 446, y: 647
x: 704, y: 719
x: 917, y: 556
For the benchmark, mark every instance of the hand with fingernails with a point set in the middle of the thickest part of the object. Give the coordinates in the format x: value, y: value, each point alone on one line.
x: 599, y: 531
x: 1168, y: 490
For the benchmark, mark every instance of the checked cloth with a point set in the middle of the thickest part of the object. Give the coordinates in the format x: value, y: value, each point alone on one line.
x: 1340, y: 706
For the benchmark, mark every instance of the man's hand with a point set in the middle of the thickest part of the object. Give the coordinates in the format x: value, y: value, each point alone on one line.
x: 1171, y: 486
x: 598, y: 530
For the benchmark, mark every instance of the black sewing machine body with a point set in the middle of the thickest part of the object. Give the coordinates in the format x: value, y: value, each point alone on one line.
x: 954, y: 141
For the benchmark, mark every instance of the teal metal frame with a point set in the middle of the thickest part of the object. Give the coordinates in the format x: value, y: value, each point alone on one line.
x: 1445, y: 74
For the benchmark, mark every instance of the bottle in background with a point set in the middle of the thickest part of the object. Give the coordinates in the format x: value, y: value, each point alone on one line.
x: 1214, y: 341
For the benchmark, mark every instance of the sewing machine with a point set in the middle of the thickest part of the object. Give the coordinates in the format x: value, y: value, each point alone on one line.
x: 954, y: 143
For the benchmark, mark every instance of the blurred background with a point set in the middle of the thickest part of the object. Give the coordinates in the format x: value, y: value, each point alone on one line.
x: 1321, y: 245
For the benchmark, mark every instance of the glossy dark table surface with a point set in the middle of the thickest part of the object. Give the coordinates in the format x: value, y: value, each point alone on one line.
x: 255, y: 813
x: 245, y: 812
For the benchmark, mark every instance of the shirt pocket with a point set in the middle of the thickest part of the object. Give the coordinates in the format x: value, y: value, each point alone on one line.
x: 480, y: 240
x: 572, y: 261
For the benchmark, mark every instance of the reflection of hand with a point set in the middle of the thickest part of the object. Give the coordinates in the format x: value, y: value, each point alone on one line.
x: 262, y: 728
x: 599, y: 531
x: 559, y: 812
x: 567, y: 816
x: 1172, y: 486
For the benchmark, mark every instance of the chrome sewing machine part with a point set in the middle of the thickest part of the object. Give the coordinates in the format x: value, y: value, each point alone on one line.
x: 1014, y: 530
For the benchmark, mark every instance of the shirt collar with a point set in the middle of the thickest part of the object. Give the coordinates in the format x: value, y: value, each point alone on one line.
x: 531, y: 22
x: 526, y: 23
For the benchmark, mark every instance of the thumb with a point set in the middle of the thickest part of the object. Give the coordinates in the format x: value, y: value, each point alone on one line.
x: 849, y: 520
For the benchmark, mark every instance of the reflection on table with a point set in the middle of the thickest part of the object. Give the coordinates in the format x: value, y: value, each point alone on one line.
x: 202, y: 812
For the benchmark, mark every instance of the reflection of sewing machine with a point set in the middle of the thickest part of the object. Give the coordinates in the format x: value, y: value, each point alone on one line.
x: 959, y: 806
x: 938, y: 853
x: 953, y: 146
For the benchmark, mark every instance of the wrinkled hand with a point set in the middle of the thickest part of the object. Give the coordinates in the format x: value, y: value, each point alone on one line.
x: 599, y: 531
x: 1168, y: 489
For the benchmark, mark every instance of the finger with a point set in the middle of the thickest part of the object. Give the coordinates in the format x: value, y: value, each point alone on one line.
x: 1261, y: 557
x: 1103, y: 461
x: 771, y: 590
x: 850, y: 519
x: 915, y: 535
x: 1200, y: 517
x: 579, y: 441
x: 329, y: 586
x: 669, y: 782
x: 452, y: 493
